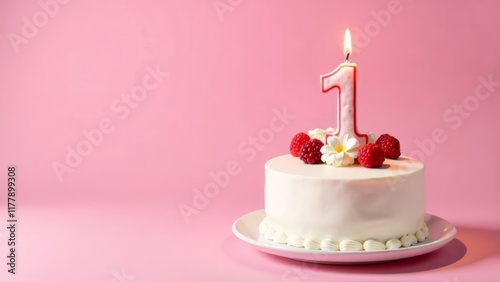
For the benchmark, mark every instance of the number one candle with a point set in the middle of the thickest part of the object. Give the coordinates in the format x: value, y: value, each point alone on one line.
x: 344, y: 79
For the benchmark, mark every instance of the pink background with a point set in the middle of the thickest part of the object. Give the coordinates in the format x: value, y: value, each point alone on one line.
x: 231, y: 65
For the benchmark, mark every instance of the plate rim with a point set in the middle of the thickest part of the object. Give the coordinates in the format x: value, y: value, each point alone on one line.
x: 295, y: 253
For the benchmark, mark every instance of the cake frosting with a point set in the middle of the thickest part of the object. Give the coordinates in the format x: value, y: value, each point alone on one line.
x: 346, y: 208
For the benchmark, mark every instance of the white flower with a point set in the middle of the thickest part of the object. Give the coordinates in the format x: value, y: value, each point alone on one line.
x: 320, y: 134
x: 340, y: 152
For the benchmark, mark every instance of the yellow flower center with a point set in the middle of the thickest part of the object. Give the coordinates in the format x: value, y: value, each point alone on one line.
x: 339, y: 148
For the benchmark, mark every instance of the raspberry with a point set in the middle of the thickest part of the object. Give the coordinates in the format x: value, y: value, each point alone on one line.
x: 297, y: 142
x: 310, y: 151
x: 390, y: 145
x: 382, y: 137
x: 371, y: 155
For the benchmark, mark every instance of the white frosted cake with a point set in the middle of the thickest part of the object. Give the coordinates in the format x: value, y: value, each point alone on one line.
x: 347, y: 208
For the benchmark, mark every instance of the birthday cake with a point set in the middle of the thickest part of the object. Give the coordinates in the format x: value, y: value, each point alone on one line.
x: 347, y: 208
x: 339, y: 190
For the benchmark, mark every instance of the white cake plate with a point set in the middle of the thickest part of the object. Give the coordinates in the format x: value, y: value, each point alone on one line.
x: 246, y: 228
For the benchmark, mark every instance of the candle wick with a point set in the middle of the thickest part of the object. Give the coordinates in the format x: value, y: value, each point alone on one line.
x: 347, y: 57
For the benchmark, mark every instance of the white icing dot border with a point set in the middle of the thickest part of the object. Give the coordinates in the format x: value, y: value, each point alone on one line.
x: 278, y: 236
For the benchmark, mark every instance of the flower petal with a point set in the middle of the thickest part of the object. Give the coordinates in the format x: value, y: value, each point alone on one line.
x: 330, y: 159
x: 338, y: 158
x: 351, y: 144
x: 352, y: 154
x: 326, y: 149
x: 333, y: 141
x: 323, y: 157
x: 347, y: 160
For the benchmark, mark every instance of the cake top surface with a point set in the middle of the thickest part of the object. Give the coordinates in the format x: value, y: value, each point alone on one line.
x: 292, y: 165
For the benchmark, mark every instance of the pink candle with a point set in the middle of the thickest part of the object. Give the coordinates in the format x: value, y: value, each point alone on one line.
x: 344, y: 79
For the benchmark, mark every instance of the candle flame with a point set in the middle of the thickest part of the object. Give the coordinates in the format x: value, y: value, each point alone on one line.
x: 347, y: 43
